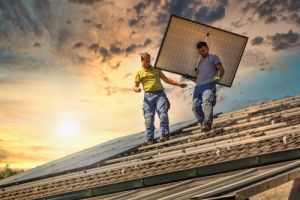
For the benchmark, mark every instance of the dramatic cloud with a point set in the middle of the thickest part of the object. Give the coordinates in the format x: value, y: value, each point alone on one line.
x: 140, y: 12
x: 147, y: 42
x: 209, y: 15
x: 281, y: 41
x: 271, y: 10
x: 11, y: 81
x: 37, y: 45
x: 205, y: 12
x: 7, y: 56
x: 98, y: 26
x: 128, y: 75
x: 114, y: 90
x: 238, y: 23
x: 64, y: 35
x: 86, y: 21
x: 254, y: 60
x: 116, y: 66
x: 85, y: 2
x: 104, y: 53
x: 295, y: 18
x: 257, y: 40
x: 78, y: 45
x: 3, y: 154
x: 131, y: 48
x: 221, y: 97
x: 94, y: 47
x: 19, y: 19
x: 115, y: 49
x: 44, y: 14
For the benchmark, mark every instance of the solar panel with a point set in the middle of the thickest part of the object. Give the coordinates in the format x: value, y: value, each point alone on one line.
x: 178, y: 52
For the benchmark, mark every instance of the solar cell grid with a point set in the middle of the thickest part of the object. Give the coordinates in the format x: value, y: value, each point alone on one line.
x: 178, y: 53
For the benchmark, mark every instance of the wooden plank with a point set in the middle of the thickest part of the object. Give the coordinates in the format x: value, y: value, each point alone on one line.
x: 272, y: 182
x: 248, y: 181
x: 208, y: 185
x: 160, y: 190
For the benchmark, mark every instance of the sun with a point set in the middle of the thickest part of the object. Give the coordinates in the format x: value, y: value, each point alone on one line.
x: 67, y: 128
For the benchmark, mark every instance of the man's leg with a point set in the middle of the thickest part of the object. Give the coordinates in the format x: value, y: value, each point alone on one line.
x: 149, y: 112
x: 162, y: 107
x: 209, y: 100
x: 197, y: 101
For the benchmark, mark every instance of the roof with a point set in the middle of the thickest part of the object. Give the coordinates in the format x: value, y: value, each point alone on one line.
x: 243, y: 146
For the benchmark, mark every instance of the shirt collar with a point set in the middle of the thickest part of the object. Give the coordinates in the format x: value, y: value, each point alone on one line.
x: 149, y: 69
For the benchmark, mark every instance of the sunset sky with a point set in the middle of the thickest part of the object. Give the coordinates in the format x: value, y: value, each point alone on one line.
x: 67, y: 67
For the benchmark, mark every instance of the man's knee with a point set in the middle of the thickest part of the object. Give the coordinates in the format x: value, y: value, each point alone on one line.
x: 164, y: 118
x: 207, y: 107
x: 149, y: 121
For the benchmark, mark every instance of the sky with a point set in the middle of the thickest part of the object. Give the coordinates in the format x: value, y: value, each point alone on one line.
x: 67, y: 67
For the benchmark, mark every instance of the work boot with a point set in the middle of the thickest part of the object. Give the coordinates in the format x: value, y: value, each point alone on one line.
x: 149, y: 142
x: 163, y: 138
x: 206, y: 127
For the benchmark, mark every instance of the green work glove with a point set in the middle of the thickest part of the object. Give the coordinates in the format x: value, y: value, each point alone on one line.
x: 217, y: 79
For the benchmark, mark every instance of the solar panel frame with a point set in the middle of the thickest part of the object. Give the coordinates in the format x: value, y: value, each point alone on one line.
x: 210, y: 28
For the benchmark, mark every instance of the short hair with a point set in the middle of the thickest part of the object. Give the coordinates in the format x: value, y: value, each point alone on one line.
x: 144, y: 55
x: 201, y: 44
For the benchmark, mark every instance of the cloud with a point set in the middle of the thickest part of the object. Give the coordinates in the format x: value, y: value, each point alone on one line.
x: 115, y: 49
x: 98, y: 26
x: 238, y: 23
x: 26, y: 19
x: 7, y: 56
x: 253, y: 59
x: 3, y: 155
x: 43, y: 12
x: 257, y: 40
x: 9, y: 80
x: 205, y: 12
x: 295, y: 18
x: 85, y: 2
x: 140, y: 13
x: 271, y: 10
x: 37, y: 45
x: 113, y: 90
x: 86, y: 21
x: 178, y: 7
x: 64, y: 35
x: 104, y: 53
x: 127, y: 75
x: 140, y: 7
x: 281, y: 41
x: 94, y: 47
x: 131, y: 48
x: 116, y: 66
x: 78, y: 45
x: 209, y: 15
x: 161, y: 19
x: 221, y: 97
x: 147, y: 42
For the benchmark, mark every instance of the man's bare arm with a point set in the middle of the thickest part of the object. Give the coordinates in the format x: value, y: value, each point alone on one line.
x: 172, y: 82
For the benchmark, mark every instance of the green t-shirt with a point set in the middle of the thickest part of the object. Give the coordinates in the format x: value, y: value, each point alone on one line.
x: 150, y: 79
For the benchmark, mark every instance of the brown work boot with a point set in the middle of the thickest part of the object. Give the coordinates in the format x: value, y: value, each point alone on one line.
x: 206, y: 128
x: 163, y: 138
x: 149, y: 142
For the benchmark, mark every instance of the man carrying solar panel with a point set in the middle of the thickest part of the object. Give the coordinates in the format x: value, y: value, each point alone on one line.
x: 209, y: 72
x: 154, y: 98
